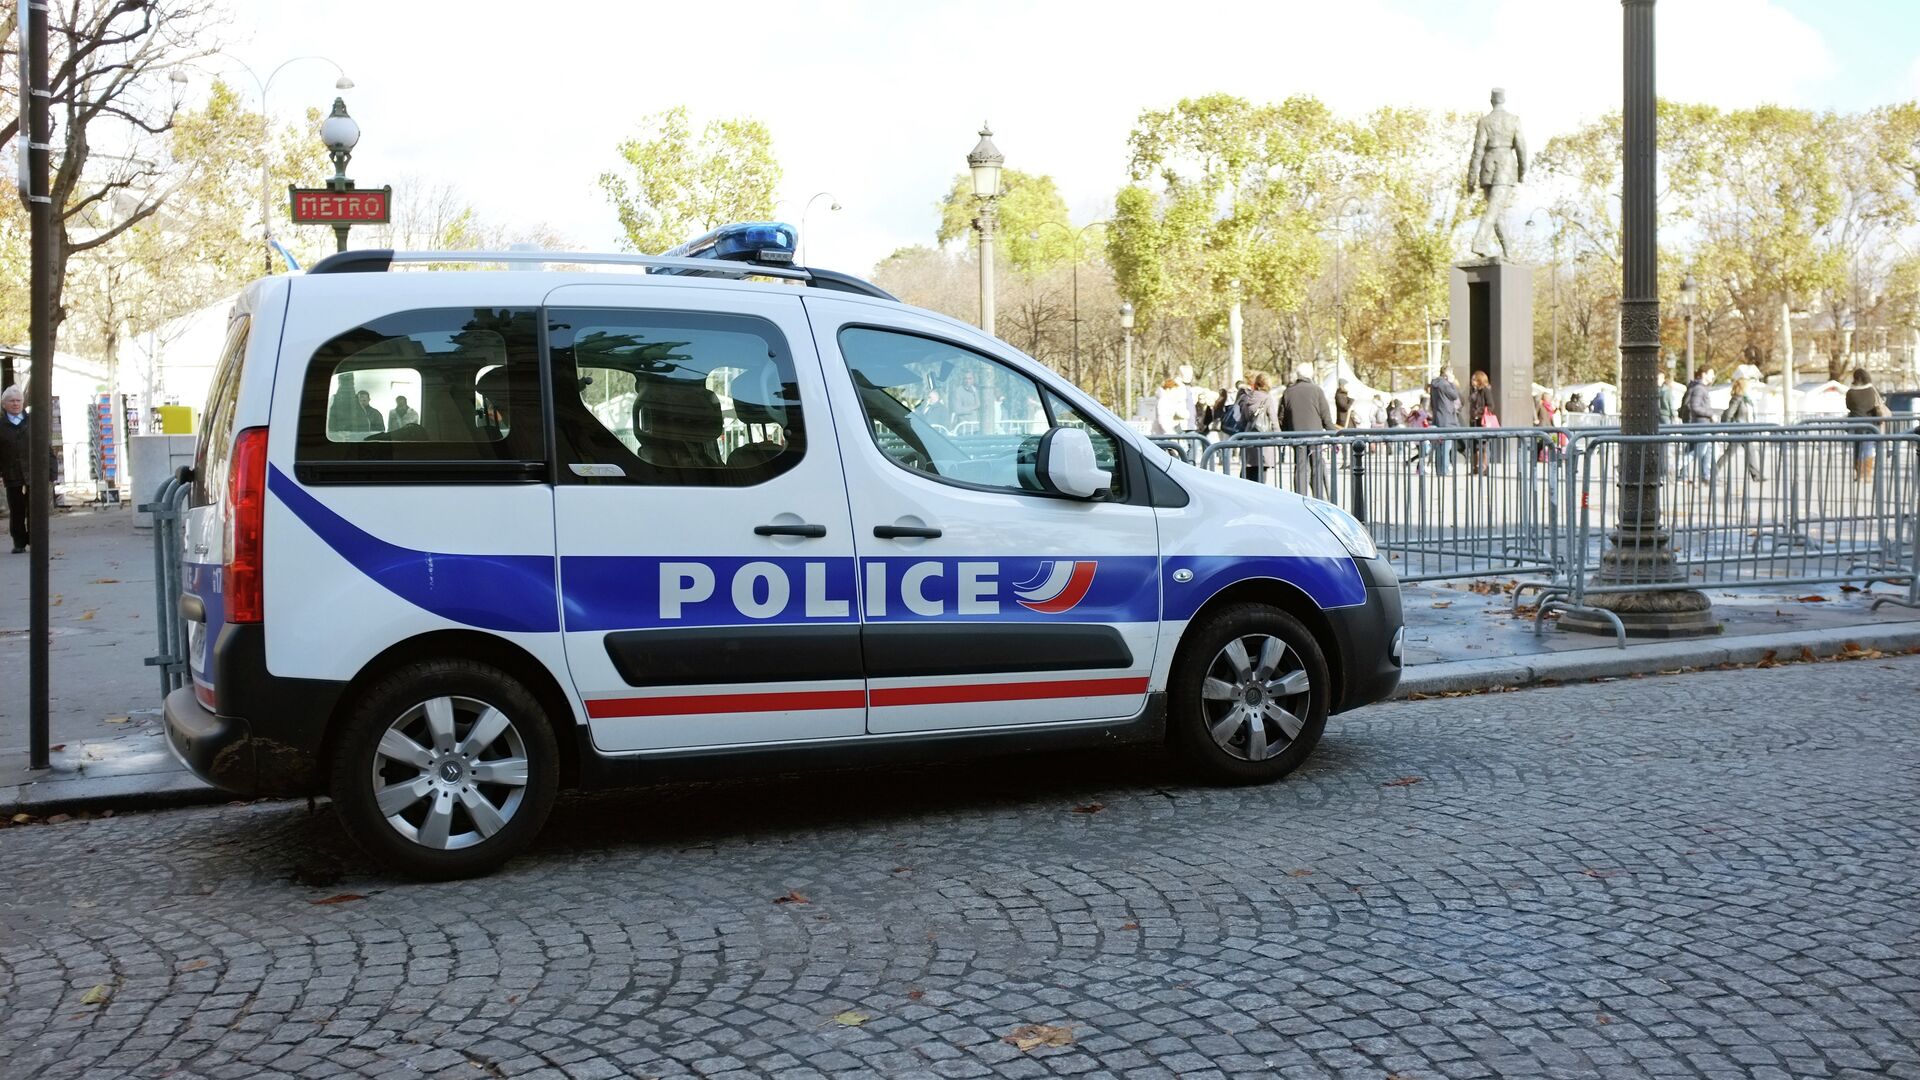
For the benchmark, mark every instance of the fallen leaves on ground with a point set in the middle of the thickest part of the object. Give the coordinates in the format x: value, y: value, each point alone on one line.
x: 1402, y: 781
x: 1768, y: 660
x: 106, y: 581
x: 794, y: 896
x: 850, y: 1018
x: 1130, y: 926
x: 916, y: 995
x: 1299, y: 873
x: 1029, y: 1037
x: 1603, y: 1018
x: 195, y: 965
x: 96, y: 996
x: 1602, y: 874
x: 1810, y: 599
x: 1849, y: 588
x: 337, y: 898
x: 118, y: 719
x: 1443, y: 603
x: 85, y: 615
x: 1090, y: 808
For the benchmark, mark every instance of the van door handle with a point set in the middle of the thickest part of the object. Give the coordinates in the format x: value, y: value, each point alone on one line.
x: 192, y: 608
x: 905, y: 532
x: 812, y: 532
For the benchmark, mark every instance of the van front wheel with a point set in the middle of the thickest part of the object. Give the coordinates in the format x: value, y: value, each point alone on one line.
x: 1250, y: 693
x: 446, y: 769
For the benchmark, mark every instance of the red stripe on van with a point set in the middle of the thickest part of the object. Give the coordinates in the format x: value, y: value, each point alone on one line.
x: 1026, y: 691
x: 806, y: 700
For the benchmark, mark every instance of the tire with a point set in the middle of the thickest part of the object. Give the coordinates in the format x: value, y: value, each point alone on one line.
x: 1292, y: 699
x: 452, y: 808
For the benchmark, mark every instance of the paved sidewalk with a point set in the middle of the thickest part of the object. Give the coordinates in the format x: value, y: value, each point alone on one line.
x: 111, y: 751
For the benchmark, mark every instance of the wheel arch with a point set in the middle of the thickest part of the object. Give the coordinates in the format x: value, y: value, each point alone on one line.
x: 1288, y: 598
x: 487, y: 649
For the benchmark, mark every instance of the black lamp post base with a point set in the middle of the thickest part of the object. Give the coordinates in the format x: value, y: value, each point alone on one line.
x: 1669, y: 613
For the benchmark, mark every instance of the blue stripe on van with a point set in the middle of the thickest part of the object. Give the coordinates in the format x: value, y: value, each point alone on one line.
x: 494, y: 592
x: 1328, y: 582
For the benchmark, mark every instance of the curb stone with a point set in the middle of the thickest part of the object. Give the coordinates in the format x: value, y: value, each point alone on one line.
x: 1649, y: 659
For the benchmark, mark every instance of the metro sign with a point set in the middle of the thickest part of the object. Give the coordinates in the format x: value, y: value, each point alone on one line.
x: 325, y: 206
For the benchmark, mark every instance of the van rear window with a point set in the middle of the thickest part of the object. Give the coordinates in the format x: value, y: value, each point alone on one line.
x: 422, y: 395
x: 216, y: 429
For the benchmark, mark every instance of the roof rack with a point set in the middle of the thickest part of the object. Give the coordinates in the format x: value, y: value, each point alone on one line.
x: 380, y: 260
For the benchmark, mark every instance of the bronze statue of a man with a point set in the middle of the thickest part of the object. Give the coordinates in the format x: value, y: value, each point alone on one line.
x: 1499, y: 162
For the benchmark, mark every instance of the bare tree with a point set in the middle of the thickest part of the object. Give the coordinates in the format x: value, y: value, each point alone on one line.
x: 108, y: 68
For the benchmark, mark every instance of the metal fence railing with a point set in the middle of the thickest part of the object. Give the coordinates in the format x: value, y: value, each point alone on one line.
x: 169, y: 510
x: 1440, y: 502
x: 1188, y: 444
x: 1741, y: 505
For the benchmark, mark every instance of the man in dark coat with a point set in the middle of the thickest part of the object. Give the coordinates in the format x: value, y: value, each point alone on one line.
x: 1304, y: 407
x: 14, y: 443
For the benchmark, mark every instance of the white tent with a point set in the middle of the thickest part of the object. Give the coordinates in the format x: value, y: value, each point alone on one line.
x: 173, y: 365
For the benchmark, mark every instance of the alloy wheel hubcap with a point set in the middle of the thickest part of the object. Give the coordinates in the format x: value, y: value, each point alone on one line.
x: 1255, y: 697
x: 450, y: 772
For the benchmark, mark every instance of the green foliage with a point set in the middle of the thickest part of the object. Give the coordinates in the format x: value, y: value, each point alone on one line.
x: 1033, y: 227
x: 674, y: 187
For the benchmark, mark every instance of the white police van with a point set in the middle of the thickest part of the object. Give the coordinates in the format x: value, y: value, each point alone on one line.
x: 460, y: 539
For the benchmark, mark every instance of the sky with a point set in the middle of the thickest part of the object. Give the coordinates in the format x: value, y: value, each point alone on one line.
x: 521, y: 105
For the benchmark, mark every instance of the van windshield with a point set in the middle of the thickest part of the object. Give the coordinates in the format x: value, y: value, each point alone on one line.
x: 216, y: 427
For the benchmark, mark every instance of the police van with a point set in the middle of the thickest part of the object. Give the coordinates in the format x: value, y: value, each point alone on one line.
x: 459, y: 539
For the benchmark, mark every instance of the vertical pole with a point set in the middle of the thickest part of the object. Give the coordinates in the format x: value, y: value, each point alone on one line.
x: 266, y: 197
x: 1236, y: 353
x: 1076, y: 312
x: 1689, y: 345
x: 1786, y: 363
x: 1126, y: 349
x: 985, y: 222
x: 39, y: 136
x: 1554, y: 314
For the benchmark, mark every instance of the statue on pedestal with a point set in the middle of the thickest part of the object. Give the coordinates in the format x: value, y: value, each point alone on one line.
x: 1499, y: 164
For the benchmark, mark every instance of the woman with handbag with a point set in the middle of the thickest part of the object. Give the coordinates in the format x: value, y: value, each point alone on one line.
x: 1864, y: 401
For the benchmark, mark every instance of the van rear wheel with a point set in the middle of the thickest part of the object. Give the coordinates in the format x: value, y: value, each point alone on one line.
x: 446, y: 769
x: 1250, y: 693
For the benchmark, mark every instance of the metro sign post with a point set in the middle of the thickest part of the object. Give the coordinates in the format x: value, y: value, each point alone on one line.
x: 339, y: 204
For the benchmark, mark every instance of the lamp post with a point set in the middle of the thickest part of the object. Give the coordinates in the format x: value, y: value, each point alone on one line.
x: 817, y: 196
x: 266, y: 147
x: 1638, y: 551
x: 1078, y: 236
x: 341, y: 134
x: 1126, y: 352
x: 984, y: 162
x: 1689, y: 293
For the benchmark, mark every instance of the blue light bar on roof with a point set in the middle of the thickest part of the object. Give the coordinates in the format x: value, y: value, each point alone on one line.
x: 747, y: 241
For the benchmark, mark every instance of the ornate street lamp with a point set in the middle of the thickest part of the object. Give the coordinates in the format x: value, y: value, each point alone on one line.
x: 834, y: 204
x: 340, y: 133
x: 1126, y: 350
x: 984, y: 162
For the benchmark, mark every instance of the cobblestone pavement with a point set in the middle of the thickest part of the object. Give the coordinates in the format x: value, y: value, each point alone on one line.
x: 1711, y: 874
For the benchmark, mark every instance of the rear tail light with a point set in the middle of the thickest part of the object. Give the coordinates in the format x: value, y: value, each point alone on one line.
x: 246, y: 521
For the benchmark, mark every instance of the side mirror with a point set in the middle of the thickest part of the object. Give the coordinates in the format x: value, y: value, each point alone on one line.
x: 1066, y: 465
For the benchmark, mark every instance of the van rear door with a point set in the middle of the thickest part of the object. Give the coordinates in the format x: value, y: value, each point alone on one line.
x: 205, y: 524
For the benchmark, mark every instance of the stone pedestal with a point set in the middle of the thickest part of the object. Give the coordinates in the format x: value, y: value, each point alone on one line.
x: 1492, y: 331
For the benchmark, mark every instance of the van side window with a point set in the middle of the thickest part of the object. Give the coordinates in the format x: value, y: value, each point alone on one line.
x: 216, y: 429
x: 672, y: 398
x: 947, y: 411
x: 447, y: 393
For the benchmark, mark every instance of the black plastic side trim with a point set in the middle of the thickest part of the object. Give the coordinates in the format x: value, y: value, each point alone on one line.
x: 835, y: 281
x: 1364, y: 635
x: 285, y: 719
x: 600, y: 771
x: 420, y: 472
x: 362, y: 261
x: 982, y: 648
x: 735, y: 654
x: 1163, y: 490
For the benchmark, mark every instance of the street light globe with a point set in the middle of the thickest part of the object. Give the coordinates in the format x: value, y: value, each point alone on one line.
x: 177, y: 76
x: 985, y: 162
x: 1688, y: 290
x: 1126, y: 316
x: 343, y: 83
x: 339, y: 131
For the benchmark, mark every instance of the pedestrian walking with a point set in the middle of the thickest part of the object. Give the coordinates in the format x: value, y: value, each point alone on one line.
x: 1396, y: 413
x: 1258, y: 410
x: 1304, y: 407
x: 1741, y: 409
x: 1663, y: 398
x: 1480, y: 414
x: 1443, y: 399
x: 15, y: 442
x: 1696, y: 407
x: 1864, y: 401
x: 1170, y: 413
x: 1342, y: 406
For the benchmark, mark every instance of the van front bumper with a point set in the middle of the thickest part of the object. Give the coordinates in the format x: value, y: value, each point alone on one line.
x: 1371, y: 637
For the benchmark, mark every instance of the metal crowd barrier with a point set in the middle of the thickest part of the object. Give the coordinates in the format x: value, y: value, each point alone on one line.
x: 1740, y: 507
x: 1440, y: 502
x: 1188, y: 444
x: 169, y: 511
